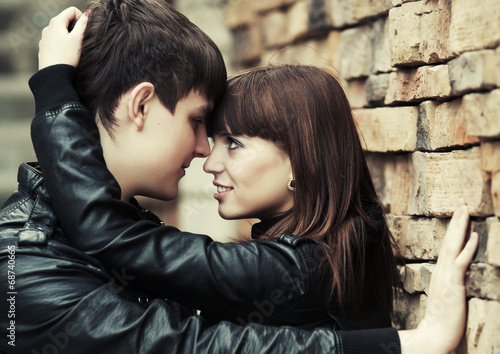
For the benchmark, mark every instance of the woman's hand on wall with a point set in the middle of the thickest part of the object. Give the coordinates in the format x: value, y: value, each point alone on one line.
x: 443, y: 325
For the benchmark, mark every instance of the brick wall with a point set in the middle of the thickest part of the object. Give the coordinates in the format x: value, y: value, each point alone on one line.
x: 423, y: 78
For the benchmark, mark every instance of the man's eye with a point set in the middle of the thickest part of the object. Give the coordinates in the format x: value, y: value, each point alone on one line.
x: 197, y: 122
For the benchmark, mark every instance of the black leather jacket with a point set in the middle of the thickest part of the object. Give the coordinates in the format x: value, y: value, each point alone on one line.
x: 62, y: 300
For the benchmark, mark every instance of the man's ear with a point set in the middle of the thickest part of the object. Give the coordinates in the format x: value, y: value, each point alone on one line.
x: 139, y: 98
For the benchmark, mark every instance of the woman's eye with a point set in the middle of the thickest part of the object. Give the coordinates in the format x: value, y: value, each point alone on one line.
x: 233, y: 143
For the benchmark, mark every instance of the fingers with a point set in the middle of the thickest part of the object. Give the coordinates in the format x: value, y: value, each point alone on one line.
x: 465, y: 257
x: 58, y: 45
x: 66, y: 16
x: 455, y: 235
x: 80, y: 25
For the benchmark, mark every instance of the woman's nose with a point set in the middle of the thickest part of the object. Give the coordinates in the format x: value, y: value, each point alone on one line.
x: 213, y: 163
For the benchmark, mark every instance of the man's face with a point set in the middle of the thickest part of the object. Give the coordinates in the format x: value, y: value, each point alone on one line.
x: 168, y: 143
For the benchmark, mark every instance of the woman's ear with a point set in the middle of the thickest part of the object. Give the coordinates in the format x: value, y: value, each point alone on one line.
x: 138, y: 103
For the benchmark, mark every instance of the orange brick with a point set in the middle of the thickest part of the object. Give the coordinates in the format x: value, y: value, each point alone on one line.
x: 312, y: 52
x: 495, y: 191
x: 474, y: 25
x: 483, y: 326
x: 388, y: 129
x: 298, y: 21
x: 482, y: 113
x: 415, y: 85
x: 239, y: 13
x: 409, y: 309
x: 391, y: 178
x: 473, y: 71
x: 438, y: 180
x: 274, y: 29
x: 248, y: 44
x: 363, y: 9
x: 418, y: 238
x: 266, y: 5
x: 419, y: 32
x: 376, y: 88
x: 442, y: 125
x: 492, y: 254
x: 364, y: 50
x: 339, y: 12
x: 356, y: 93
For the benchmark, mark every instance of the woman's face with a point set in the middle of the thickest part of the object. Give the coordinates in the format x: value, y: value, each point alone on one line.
x: 251, y: 175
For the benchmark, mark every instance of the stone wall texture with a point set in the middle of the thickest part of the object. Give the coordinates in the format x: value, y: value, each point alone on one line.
x: 423, y: 78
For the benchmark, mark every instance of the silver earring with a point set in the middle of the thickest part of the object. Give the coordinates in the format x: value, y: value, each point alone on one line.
x: 291, y: 184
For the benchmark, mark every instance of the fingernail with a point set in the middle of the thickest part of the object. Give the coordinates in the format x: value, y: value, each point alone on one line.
x: 88, y: 13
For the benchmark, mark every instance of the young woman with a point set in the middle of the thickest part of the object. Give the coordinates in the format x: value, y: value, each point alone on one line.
x: 286, y: 151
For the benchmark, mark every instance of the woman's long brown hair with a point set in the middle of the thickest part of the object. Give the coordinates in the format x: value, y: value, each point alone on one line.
x: 304, y: 110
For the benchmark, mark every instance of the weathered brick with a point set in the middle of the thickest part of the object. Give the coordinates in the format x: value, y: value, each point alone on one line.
x: 363, y: 9
x: 442, y: 125
x: 483, y: 326
x: 266, y: 5
x: 333, y: 48
x: 438, y: 180
x: 419, y: 32
x: 238, y: 13
x: 376, y: 88
x: 409, y: 309
x: 418, y: 238
x: 483, y: 280
x: 495, y: 191
x: 297, y: 21
x: 388, y: 129
x: 381, y: 46
x: 367, y: 48
x: 482, y: 113
x: 274, y: 29
x: 473, y: 71
x: 416, y: 277
x: 490, y: 156
x: 382, y: 168
x: 248, y: 44
x: 312, y: 52
x: 474, y: 25
x: 391, y: 178
x: 355, y: 44
x: 498, y: 65
x: 418, y: 84
x: 356, y: 91
x: 319, y: 17
x: 339, y: 12
x: 492, y: 254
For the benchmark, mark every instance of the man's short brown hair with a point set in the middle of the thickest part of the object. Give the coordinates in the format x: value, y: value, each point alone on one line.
x: 130, y: 41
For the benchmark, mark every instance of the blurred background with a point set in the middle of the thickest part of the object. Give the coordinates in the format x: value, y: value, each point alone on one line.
x: 21, y: 23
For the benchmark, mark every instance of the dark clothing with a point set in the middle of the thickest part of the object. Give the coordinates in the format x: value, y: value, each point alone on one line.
x: 155, y: 257
x: 63, y: 300
x: 267, y: 281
